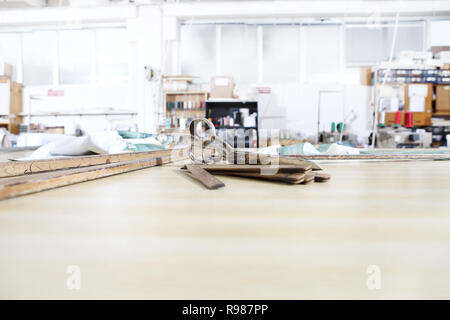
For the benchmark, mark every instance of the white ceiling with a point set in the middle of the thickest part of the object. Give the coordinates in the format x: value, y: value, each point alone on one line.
x: 24, y: 4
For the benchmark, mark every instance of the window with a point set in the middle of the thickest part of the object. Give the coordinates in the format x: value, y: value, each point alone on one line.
x: 111, y: 56
x: 367, y: 46
x: 10, y: 50
x: 281, y: 53
x: 239, y: 52
x: 67, y: 56
x: 198, y: 51
x: 322, y: 57
x: 39, y: 53
x: 292, y: 53
x: 75, y: 52
x: 439, y: 33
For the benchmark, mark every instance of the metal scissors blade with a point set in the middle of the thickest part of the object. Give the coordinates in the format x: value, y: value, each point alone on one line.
x: 206, y: 146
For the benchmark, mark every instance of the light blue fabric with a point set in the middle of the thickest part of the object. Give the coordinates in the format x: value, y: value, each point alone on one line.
x: 134, y: 145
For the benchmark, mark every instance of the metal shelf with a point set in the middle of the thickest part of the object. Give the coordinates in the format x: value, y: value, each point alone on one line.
x: 72, y: 114
x: 185, y: 92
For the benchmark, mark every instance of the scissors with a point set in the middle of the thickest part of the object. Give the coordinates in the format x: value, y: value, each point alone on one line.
x: 207, y: 147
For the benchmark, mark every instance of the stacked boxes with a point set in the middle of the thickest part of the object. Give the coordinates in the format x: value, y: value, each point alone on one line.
x: 418, y: 100
x: 443, y: 99
x: 433, y: 76
x: 414, y: 98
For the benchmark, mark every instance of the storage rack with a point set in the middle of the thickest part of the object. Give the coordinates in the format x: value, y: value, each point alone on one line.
x: 183, y: 104
x: 216, y: 109
x: 404, y: 76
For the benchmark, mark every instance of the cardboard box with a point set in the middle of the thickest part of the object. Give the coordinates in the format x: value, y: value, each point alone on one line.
x: 421, y: 119
x: 443, y: 98
x: 389, y: 118
x: 436, y: 49
x: 418, y: 100
x: 444, y: 56
x: 5, y: 70
x: 391, y: 97
x: 415, y: 55
x: 366, y: 76
x: 222, y: 87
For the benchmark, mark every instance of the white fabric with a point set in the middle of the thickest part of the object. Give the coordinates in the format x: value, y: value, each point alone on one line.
x: 107, y: 142
x: 37, y: 139
x: 309, y: 149
x: 271, y: 150
x: 338, y: 149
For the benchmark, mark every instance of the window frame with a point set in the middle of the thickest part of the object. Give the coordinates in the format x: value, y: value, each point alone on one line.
x: 402, y: 24
x: 57, y: 63
x: 302, y: 71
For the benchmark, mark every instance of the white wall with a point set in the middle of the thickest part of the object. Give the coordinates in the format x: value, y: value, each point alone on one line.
x: 440, y: 33
x: 295, y: 107
x: 82, y: 99
x: 145, y: 34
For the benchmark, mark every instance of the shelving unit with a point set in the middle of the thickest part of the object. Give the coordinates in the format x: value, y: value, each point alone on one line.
x: 73, y: 114
x: 217, y: 109
x: 183, y: 106
x: 404, y: 77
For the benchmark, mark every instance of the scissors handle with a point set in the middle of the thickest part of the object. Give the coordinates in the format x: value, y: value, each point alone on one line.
x: 206, y: 138
x: 197, y: 132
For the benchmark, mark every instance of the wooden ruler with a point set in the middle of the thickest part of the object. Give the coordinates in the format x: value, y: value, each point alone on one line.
x: 321, y: 176
x: 293, y: 174
x: 253, y: 158
x: 282, y: 160
x: 16, y: 168
x: 247, y: 157
x: 374, y: 157
x: 207, y: 179
x: 294, y: 178
x: 18, y: 186
x: 256, y: 167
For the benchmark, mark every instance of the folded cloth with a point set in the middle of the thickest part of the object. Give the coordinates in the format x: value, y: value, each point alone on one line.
x: 63, y: 146
x: 301, y: 149
x: 106, y: 142
x: 338, y: 149
x: 37, y: 139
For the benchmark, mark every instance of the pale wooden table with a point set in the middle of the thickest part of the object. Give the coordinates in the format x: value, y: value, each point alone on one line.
x: 156, y: 233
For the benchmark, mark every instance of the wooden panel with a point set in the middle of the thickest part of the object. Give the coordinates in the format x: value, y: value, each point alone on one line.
x: 19, y: 186
x: 15, y: 108
x: 16, y: 98
x: 206, y: 178
x: 15, y: 168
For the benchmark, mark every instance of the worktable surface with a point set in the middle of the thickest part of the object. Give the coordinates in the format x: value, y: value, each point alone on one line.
x: 158, y: 234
